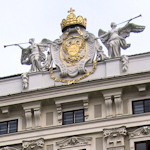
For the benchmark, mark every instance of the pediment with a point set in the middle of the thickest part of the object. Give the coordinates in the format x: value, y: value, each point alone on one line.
x: 74, y: 141
x: 140, y: 131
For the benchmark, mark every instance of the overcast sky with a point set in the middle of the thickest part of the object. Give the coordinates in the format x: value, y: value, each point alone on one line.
x: 24, y: 19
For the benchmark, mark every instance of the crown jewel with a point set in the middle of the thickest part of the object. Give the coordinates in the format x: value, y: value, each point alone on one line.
x: 73, y: 20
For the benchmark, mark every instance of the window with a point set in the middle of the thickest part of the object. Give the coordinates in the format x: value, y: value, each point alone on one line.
x: 142, y: 145
x: 8, y: 127
x: 75, y: 116
x: 141, y: 106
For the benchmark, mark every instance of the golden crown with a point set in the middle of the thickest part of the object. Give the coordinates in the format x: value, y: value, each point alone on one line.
x: 73, y: 20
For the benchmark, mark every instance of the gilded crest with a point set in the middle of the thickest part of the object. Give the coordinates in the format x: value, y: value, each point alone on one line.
x: 73, y: 49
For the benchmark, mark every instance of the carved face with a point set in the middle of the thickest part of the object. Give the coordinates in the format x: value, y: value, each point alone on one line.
x: 73, y: 49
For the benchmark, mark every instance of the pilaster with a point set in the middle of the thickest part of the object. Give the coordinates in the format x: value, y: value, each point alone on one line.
x: 108, y: 104
x: 59, y: 113
x: 85, y: 106
x: 28, y: 115
x: 37, y: 116
x: 32, y: 111
x: 118, y: 105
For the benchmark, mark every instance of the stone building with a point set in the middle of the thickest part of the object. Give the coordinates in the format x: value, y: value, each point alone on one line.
x: 107, y: 108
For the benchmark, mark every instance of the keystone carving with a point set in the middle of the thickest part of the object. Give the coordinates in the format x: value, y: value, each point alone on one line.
x: 115, y: 138
x: 33, y: 144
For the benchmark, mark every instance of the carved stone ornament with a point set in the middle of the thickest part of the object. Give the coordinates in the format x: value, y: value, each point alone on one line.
x: 25, y: 80
x: 9, y: 148
x: 125, y: 63
x: 115, y: 131
x: 115, y: 138
x: 140, y: 132
x: 34, y: 144
x: 74, y: 141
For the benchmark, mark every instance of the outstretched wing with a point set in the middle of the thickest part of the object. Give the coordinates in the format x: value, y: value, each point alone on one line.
x: 101, y: 32
x: 46, y: 41
x: 104, y: 36
x: 44, y: 44
x: 130, y: 27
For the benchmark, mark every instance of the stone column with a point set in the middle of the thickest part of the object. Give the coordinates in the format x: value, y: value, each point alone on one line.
x: 118, y: 105
x: 108, y: 104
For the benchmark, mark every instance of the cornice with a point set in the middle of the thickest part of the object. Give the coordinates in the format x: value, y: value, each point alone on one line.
x: 82, y: 87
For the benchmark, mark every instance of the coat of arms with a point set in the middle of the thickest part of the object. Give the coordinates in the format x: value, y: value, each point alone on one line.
x: 76, y: 49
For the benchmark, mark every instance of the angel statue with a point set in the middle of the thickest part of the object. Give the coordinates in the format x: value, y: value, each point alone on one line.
x: 34, y: 55
x: 114, y: 40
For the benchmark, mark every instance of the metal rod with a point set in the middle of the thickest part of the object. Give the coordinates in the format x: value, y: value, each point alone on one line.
x: 14, y: 44
x: 130, y: 19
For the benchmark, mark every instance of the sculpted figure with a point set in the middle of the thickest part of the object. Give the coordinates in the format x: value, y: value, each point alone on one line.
x: 34, y: 55
x: 25, y: 80
x: 114, y: 39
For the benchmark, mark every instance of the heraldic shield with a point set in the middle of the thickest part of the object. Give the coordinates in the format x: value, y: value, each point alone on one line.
x: 75, y: 48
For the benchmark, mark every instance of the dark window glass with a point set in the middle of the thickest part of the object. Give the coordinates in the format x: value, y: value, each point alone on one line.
x: 79, y: 116
x: 148, y: 145
x: 147, y: 105
x: 12, y: 126
x: 75, y: 116
x: 8, y: 127
x: 142, y: 145
x: 138, y: 107
x: 68, y: 117
x: 3, y: 128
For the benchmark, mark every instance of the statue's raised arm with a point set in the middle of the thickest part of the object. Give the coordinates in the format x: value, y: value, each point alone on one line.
x: 114, y: 40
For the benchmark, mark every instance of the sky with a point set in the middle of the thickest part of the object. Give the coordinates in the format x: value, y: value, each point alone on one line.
x: 21, y: 20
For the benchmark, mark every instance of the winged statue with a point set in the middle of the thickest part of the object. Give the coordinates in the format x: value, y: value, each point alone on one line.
x: 34, y: 55
x: 114, y: 39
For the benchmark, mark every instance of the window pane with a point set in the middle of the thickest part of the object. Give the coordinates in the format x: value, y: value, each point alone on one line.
x: 138, y: 107
x: 147, y: 105
x: 68, y: 118
x: 79, y: 116
x: 3, y: 128
x: 140, y: 146
x: 12, y: 126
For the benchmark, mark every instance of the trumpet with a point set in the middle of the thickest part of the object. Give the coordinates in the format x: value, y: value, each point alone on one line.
x: 130, y: 19
x: 15, y: 44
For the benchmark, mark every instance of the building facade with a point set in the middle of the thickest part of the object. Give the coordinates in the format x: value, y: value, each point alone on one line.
x: 107, y: 110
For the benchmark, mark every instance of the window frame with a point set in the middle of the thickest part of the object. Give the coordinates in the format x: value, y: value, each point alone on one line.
x: 8, y: 130
x: 142, y: 142
x: 143, y: 105
x: 73, y: 116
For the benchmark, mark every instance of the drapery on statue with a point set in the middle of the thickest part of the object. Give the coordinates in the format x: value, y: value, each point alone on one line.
x: 114, y: 40
x: 34, y: 55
